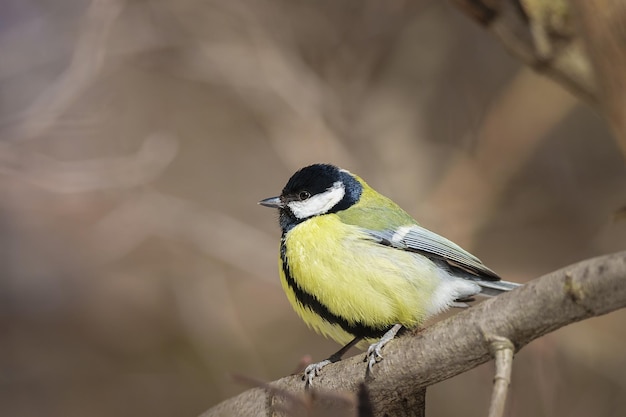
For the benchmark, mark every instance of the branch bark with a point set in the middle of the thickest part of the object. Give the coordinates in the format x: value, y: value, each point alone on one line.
x: 590, y: 288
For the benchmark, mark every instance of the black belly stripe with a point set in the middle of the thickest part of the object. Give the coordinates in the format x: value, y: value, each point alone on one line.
x: 310, y: 301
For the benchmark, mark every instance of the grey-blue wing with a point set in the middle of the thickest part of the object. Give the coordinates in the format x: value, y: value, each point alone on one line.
x: 444, y: 252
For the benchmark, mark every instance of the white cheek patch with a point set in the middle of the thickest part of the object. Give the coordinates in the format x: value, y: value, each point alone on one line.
x: 319, y: 203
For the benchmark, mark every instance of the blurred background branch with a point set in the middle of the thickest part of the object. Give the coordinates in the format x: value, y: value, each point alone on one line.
x: 85, y: 66
x: 543, y: 34
x: 137, y: 136
x: 603, y: 32
x: 579, y: 44
x: 155, y: 154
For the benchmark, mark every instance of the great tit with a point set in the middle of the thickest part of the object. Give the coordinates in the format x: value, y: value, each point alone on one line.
x: 356, y: 267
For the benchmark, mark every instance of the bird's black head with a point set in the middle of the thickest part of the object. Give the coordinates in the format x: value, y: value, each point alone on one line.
x: 315, y: 190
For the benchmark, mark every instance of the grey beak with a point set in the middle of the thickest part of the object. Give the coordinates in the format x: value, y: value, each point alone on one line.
x: 273, y: 202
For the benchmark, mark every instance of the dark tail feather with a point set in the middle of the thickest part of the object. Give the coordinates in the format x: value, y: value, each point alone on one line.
x: 493, y: 288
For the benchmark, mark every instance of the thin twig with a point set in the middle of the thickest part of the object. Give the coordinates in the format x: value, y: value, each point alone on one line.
x: 502, y: 349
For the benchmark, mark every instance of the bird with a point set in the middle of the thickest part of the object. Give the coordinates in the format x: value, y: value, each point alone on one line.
x: 359, y: 269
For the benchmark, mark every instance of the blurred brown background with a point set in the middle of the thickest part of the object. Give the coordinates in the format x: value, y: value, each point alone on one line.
x: 137, y: 270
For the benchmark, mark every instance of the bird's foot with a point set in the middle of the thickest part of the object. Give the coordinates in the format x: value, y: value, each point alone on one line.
x: 374, y: 352
x: 313, y: 370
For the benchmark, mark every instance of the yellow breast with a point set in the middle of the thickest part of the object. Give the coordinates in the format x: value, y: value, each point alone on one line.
x: 342, y: 284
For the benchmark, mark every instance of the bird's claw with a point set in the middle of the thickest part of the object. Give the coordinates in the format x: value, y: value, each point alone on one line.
x: 313, y: 370
x: 374, y: 354
x: 374, y: 351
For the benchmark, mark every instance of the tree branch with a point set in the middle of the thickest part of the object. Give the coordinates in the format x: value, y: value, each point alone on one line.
x: 587, y: 289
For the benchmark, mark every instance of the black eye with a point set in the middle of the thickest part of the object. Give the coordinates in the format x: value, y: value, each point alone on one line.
x: 304, y: 195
